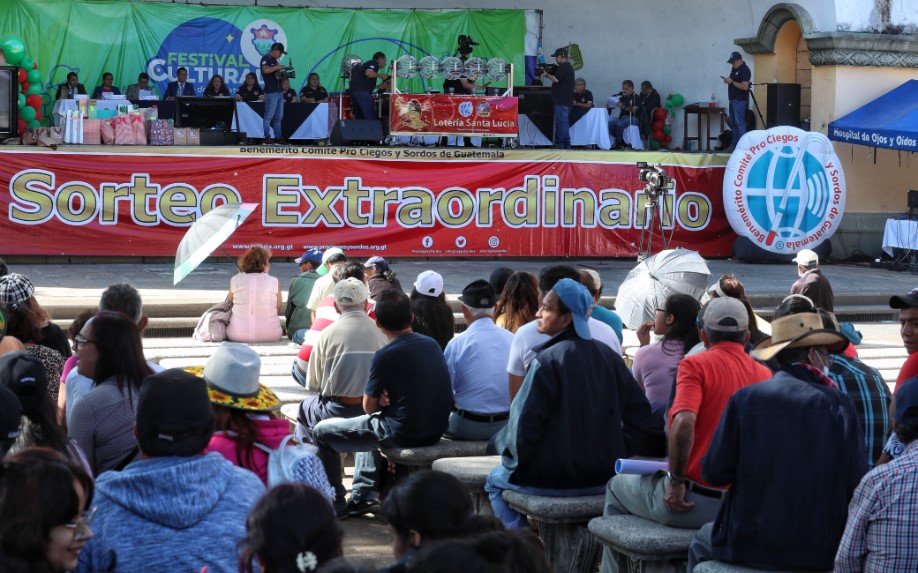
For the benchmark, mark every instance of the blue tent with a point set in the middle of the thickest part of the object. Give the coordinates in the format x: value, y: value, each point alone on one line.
x: 890, y: 121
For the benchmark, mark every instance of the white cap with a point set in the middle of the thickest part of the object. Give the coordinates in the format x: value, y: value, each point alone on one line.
x: 429, y: 283
x: 350, y: 291
x: 806, y: 258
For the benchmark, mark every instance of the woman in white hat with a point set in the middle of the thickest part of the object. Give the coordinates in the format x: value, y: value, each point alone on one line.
x: 432, y: 315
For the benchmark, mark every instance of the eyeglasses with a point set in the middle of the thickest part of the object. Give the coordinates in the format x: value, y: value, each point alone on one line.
x: 80, y: 340
x: 81, y: 527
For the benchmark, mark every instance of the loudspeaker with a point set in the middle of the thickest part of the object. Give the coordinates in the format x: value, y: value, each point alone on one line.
x: 783, y: 105
x: 357, y: 132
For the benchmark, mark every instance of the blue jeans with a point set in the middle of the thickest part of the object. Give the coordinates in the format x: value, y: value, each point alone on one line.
x: 563, y: 126
x: 738, y: 119
x: 314, y: 409
x: 363, y: 434
x: 363, y: 105
x: 499, y: 480
x: 626, y: 120
x: 274, y: 110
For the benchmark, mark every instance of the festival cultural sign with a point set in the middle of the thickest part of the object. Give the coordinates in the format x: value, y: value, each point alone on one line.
x: 421, y: 114
x: 404, y: 202
x: 784, y: 189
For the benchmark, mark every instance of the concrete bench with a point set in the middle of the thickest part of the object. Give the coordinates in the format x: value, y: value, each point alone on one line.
x: 562, y: 526
x: 472, y: 472
x: 637, y: 542
x: 720, y: 567
x: 421, y: 458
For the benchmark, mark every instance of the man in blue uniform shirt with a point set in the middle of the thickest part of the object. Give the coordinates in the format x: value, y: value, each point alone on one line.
x: 738, y: 84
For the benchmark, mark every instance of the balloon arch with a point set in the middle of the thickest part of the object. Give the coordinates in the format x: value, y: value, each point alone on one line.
x: 31, y: 97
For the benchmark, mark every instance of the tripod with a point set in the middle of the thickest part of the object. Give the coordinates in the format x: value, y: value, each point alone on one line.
x: 755, y: 102
x: 653, y: 205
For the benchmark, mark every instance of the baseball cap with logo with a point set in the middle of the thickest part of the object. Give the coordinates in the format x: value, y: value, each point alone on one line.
x: 907, y: 402
x: 350, y: 291
x: 174, y: 415
x: 479, y: 294
x: 904, y: 300
x: 725, y: 314
x: 734, y: 56
x: 24, y: 374
x: 278, y: 46
x: 560, y: 52
x: 331, y: 255
x: 10, y: 418
x: 806, y: 258
x: 578, y: 300
x: 313, y: 256
x: 429, y: 283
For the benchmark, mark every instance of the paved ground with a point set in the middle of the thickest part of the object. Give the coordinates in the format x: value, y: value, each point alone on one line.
x: 67, y: 288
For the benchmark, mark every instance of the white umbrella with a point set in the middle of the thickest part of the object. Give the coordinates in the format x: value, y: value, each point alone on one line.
x: 649, y: 284
x: 206, y: 234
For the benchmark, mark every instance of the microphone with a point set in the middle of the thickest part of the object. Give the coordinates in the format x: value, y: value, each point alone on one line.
x: 619, y: 94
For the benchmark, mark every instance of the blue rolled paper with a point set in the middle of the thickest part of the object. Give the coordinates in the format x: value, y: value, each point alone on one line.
x: 640, y: 467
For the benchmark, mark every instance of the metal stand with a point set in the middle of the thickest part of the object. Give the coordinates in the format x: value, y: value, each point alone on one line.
x: 653, y: 206
x: 755, y: 102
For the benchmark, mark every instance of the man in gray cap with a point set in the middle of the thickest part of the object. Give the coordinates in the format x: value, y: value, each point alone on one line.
x: 704, y: 384
x: 551, y: 445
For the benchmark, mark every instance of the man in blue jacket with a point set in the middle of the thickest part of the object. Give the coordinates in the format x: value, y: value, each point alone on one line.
x: 578, y: 410
x: 793, y: 451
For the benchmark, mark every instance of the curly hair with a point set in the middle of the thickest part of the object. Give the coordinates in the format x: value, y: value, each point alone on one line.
x: 254, y: 260
x: 25, y: 321
x: 519, y: 301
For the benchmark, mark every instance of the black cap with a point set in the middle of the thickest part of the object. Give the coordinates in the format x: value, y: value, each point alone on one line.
x: 905, y: 300
x: 174, y: 415
x: 734, y: 56
x: 479, y: 294
x: 24, y: 374
x: 10, y: 418
x: 499, y: 278
x: 278, y: 46
x: 560, y: 52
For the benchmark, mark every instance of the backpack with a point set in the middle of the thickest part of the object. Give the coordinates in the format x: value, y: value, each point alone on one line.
x: 212, y: 325
x: 296, y: 462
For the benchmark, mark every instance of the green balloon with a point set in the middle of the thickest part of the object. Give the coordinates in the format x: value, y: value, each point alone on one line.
x: 27, y: 63
x: 34, y: 77
x: 654, y: 144
x: 13, y: 48
x: 45, y: 99
x: 46, y: 121
x: 678, y: 100
x: 34, y: 89
x: 22, y: 101
x: 27, y: 113
x: 34, y: 124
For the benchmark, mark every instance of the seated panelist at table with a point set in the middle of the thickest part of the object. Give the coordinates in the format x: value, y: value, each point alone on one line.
x: 143, y: 88
x: 583, y: 100
x: 216, y: 87
x: 71, y: 87
x: 289, y: 94
x: 313, y: 92
x: 106, y: 88
x: 181, y: 87
x: 250, y: 90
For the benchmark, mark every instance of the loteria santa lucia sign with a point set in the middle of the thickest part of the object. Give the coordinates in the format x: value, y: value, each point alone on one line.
x: 784, y: 189
x: 401, y: 202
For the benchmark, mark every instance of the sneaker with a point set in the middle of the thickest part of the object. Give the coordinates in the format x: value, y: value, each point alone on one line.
x: 269, y: 141
x: 283, y: 142
x: 360, y: 507
x: 340, y: 506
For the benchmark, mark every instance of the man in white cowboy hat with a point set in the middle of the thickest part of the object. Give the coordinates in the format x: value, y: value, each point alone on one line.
x: 792, y: 450
x: 704, y: 384
x: 812, y: 283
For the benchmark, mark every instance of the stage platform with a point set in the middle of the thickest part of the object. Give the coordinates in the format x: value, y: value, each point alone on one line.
x: 395, y: 201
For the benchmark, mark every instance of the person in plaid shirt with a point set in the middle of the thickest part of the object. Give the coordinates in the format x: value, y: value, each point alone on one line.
x: 883, y: 516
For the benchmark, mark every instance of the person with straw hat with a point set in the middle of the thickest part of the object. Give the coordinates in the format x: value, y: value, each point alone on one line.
x: 793, y: 452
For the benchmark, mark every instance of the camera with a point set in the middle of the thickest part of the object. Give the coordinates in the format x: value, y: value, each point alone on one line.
x: 547, y: 68
x: 286, y: 74
x: 655, y: 177
x: 465, y: 45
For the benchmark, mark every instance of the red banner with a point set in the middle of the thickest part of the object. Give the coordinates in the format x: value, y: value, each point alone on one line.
x: 401, y: 202
x: 453, y: 115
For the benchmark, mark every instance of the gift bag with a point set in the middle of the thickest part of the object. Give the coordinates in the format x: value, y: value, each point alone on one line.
x: 73, y: 128
x: 140, y: 131
x: 124, y: 135
x: 53, y: 134
x: 92, y: 131
x: 108, y: 131
x: 30, y: 136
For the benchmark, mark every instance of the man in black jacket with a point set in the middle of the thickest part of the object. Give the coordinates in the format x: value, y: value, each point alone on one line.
x: 579, y: 410
x: 650, y: 100
x: 562, y: 97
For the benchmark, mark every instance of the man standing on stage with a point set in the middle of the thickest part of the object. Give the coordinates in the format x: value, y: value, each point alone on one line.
x: 738, y: 85
x: 562, y: 97
x: 274, y: 95
x: 363, y: 80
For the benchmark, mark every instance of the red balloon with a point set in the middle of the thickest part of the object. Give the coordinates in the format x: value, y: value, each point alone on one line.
x: 660, y: 113
x: 669, y: 138
x: 22, y: 75
x: 658, y: 124
x: 24, y: 86
x: 35, y: 66
x: 34, y: 100
x: 37, y: 114
x: 22, y: 126
x: 659, y: 135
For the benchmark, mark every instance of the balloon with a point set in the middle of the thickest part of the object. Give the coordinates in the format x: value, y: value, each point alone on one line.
x: 659, y: 113
x: 34, y: 76
x: 24, y: 86
x: 37, y: 113
x: 27, y: 113
x: 45, y: 99
x: 14, y: 49
x: 46, y: 121
x: 669, y: 138
x: 22, y: 100
x: 678, y: 100
x: 657, y: 134
x: 35, y: 66
x: 34, y: 89
x: 22, y: 75
x: 34, y: 101
x: 657, y: 124
x: 668, y: 106
x: 654, y: 144
x: 26, y: 63
x: 667, y: 129
x: 34, y: 124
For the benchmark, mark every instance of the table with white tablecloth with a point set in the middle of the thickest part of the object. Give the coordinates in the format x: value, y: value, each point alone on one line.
x: 900, y: 234
x: 591, y: 129
x: 301, y: 120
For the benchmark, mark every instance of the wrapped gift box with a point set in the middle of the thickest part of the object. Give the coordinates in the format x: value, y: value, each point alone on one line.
x: 92, y: 131
x: 193, y: 136
x: 160, y: 132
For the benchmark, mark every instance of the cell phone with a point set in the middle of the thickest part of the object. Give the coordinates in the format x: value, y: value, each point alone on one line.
x: 723, y: 77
